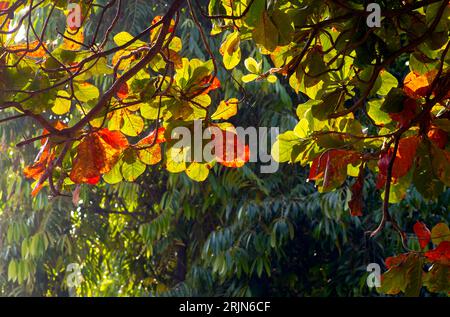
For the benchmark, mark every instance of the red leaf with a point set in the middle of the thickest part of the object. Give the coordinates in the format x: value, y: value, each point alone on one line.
x: 422, y: 233
x: 404, y: 160
x: 395, y: 260
x: 123, y: 91
x: 438, y: 137
x: 440, y: 254
x: 114, y: 138
x: 332, y: 166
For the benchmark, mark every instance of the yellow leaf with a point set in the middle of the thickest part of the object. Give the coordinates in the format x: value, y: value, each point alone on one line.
x: 226, y: 109
x: 62, y: 105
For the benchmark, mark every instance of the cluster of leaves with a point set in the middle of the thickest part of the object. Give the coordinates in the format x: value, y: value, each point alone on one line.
x: 406, y: 271
x: 152, y: 83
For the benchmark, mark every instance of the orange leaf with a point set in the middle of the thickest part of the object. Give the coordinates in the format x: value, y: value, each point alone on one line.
x: 32, y: 49
x: 416, y: 85
x: 73, y: 39
x: 150, y: 152
x: 231, y: 152
x: 96, y: 155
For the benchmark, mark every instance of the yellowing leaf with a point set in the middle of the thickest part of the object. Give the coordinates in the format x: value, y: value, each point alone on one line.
x: 62, y: 105
x: 440, y: 233
x: 226, y: 109
x: 149, y: 149
x: 252, y: 65
x: 198, y: 171
x: 249, y: 78
x: 86, y: 92
x: 231, y: 51
x: 73, y: 39
x: 132, y: 124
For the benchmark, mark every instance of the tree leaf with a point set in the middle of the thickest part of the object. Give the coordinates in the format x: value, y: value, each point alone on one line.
x: 226, y: 109
x: 422, y: 233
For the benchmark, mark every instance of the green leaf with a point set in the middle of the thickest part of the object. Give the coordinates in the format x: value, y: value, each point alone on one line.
x: 393, y: 103
x: 86, y: 92
x: 330, y: 103
x: 266, y: 33
x: 282, y: 148
x: 441, y: 164
x: 437, y: 279
x: 388, y: 81
x: 439, y: 233
x: 131, y: 171
x: 376, y: 114
x: 114, y: 176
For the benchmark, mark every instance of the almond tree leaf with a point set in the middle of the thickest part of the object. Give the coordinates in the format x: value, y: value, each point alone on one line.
x: 231, y: 51
x: 151, y: 152
x: 198, y: 171
x: 231, y: 152
x: 437, y: 279
x: 114, y: 176
x: 62, y: 105
x: 416, y: 85
x: 132, y: 124
x: 73, y: 39
x: 440, y: 254
x: 226, y: 109
x: 97, y: 154
x: 329, y: 169
x: 422, y: 233
x: 265, y: 33
x: 131, y: 172
x: 86, y: 92
x: 249, y: 78
x: 440, y: 233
